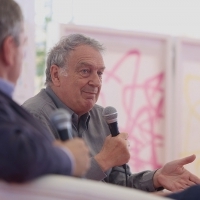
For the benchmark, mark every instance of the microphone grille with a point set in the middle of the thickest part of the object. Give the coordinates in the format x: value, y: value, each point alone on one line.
x: 61, y: 119
x: 110, y: 114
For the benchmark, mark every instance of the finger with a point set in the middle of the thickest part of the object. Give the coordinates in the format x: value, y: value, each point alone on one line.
x: 187, y: 184
x: 190, y: 183
x: 128, y: 143
x: 177, y: 187
x: 180, y: 186
x: 194, y: 179
x: 186, y: 160
x: 124, y: 135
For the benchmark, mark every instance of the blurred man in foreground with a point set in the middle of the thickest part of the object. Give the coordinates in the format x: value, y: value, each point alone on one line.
x: 27, y: 150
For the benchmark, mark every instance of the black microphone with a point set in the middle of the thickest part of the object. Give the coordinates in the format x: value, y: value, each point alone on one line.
x: 110, y: 115
x: 61, y: 119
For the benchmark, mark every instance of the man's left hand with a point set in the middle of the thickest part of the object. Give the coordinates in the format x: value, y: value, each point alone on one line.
x: 174, y: 177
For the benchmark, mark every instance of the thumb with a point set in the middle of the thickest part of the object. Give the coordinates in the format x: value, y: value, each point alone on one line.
x: 186, y: 160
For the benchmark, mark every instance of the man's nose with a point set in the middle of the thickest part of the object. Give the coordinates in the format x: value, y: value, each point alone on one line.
x: 95, y: 80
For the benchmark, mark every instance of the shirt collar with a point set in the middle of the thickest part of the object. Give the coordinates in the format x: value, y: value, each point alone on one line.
x: 7, y: 87
x: 59, y: 104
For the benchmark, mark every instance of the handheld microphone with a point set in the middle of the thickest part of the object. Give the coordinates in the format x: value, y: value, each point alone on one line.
x: 110, y: 115
x: 61, y: 119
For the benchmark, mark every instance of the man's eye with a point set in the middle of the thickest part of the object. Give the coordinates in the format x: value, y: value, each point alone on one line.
x: 85, y: 71
x: 100, y: 74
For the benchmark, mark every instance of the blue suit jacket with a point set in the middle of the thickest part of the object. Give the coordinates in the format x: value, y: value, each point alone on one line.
x: 192, y: 193
x: 26, y: 149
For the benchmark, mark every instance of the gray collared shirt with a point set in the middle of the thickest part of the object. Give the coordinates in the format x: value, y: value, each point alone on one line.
x: 93, y: 128
x: 79, y: 125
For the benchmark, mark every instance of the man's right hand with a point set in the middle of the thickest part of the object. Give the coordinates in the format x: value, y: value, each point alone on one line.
x: 114, y: 152
x: 80, y: 153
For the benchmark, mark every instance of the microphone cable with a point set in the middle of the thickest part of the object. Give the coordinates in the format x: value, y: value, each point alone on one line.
x: 126, y: 175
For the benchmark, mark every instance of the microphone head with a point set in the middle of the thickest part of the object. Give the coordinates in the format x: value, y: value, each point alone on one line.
x: 110, y: 114
x: 61, y: 119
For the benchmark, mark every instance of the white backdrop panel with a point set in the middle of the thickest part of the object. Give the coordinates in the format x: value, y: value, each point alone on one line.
x: 187, y: 126
x: 25, y: 85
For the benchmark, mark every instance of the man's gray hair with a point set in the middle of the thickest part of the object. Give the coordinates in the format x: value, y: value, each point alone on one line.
x: 58, y: 55
x: 11, y: 19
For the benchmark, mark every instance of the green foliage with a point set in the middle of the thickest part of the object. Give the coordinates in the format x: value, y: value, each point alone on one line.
x: 41, y: 50
x: 40, y: 60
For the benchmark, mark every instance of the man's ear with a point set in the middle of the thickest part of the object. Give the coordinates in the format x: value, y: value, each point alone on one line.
x: 55, y: 77
x: 8, y: 51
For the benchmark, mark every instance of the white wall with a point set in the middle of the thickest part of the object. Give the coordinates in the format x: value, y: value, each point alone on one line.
x: 25, y: 85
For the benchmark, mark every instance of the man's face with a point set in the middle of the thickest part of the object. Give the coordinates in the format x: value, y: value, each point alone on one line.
x: 80, y: 87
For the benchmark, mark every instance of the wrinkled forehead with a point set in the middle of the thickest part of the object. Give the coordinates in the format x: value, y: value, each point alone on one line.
x: 90, y: 65
x: 86, y: 52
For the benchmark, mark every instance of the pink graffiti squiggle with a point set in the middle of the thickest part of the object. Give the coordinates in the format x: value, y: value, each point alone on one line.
x: 141, y: 122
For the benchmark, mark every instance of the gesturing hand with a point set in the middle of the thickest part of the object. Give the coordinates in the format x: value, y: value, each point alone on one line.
x: 174, y: 177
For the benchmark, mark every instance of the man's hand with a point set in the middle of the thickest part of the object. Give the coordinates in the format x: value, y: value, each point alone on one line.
x: 174, y: 177
x: 80, y: 153
x: 114, y: 152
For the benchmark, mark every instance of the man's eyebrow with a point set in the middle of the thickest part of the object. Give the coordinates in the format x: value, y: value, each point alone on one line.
x: 85, y: 64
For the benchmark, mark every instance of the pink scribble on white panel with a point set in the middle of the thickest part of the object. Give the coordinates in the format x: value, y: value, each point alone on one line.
x: 142, y: 101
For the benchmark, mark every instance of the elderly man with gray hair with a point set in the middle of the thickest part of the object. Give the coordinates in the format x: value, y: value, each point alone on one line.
x: 75, y: 67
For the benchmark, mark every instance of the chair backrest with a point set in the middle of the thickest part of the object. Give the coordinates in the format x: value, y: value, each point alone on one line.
x: 55, y: 187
